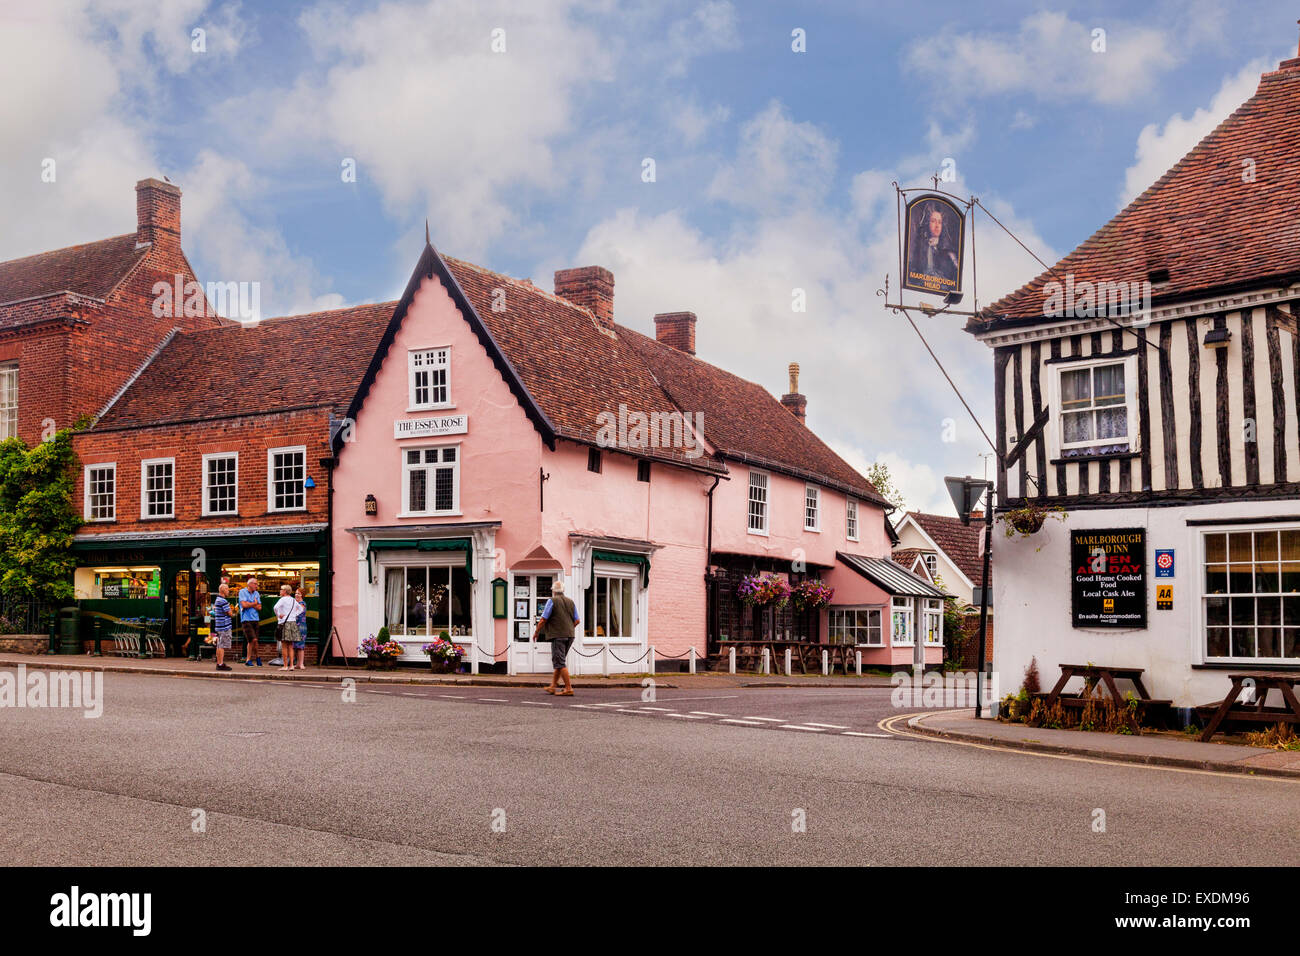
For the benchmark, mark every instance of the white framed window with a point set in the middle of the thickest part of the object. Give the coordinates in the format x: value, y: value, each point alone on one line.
x: 8, y: 400
x: 431, y: 480
x: 856, y: 625
x: 1250, y: 594
x: 931, y: 563
x: 423, y: 600
x: 851, y: 519
x: 1095, y: 406
x: 901, y: 632
x: 157, y: 488
x: 286, y: 479
x: 933, y: 622
x: 101, y: 492
x: 430, y: 377
x: 758, y: 486
x: 610, y: 607
x: 812, y: 500
x: 221, y: 483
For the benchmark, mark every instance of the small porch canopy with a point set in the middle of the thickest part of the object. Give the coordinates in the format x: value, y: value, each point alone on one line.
x: 891, y: 578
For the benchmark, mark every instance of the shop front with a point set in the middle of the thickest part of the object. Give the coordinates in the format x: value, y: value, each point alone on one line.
x: 892, y: 616
x: 166, y: 582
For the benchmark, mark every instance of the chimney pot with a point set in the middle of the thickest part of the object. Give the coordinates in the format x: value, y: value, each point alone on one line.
x: 798, y: 404
x: 158, y: 212
x: 591, y: 287
x: 676, y: 329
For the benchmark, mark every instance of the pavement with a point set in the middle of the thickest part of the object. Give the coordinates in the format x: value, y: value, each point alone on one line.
x: 265, y: 772
x: 1154, y: 749
x: 183, y: 667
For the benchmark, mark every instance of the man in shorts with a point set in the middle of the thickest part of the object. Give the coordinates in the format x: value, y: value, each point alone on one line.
x: 222, y: 625
x: 559, y: 619
x: 250, y: 605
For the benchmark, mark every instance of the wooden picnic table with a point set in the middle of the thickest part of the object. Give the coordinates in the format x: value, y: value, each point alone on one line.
x: 1097, y: 676
x: 1263, y: 681
x: 751, y: 650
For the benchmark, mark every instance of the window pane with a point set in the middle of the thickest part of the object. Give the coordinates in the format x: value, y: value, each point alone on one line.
x: 1216, y: 579
x: 1240, y: 579
x: 419, y: 490
x: 1268, y: 610
x: 462, y: 596
x: 1290, y: 583
x: 1239, y: 546
x: 1243, y: 642
x: 1216, y: 611
x: 443, y: 486
x: 1076, y: 388
x: 1216, y: 549
x: 1243, y: 610
x: 1108, y: 385
x: 1216, y: 642
x: 1269, y: 641
x: 1076, y: 426
x: 1112, y: 422
x: 395, y: 600
x: 1291, y: 642
x: 626, y: 617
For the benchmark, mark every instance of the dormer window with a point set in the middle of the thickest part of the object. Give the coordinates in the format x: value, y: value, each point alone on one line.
x: 430, y: 378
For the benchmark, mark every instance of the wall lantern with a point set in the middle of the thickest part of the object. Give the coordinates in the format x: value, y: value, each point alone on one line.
x: 1217, y: 338
x: 498, y: 597
x: 372, y: 506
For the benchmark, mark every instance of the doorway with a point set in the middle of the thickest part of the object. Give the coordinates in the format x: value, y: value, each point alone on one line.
x: 528, y: 598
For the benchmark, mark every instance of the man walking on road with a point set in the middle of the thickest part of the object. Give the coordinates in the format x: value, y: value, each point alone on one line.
x: 250, y: 604
x: 559, y: 618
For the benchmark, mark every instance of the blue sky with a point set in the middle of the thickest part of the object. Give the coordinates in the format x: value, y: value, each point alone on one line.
x: 772, y: 167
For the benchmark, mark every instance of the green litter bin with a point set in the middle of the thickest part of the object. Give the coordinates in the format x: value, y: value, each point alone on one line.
x: 69, y: 630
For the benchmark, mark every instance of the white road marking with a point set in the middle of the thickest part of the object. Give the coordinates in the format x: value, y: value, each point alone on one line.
x: 773, y: 720
x: 813, y: 723
x: 815, y: 730
x: 706, y: 713
x: 543, y: 703
x: 451, y: 697
x: 748, y: 723
x: 668, y: 710
x: 622, y: 710
x: 670, y: 700
x: 854, y: 733
x: 496, y: 700
x: 686, y: 716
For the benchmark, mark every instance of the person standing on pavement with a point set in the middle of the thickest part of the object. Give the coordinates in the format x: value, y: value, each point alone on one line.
x: 250, y: 618
x: 559, y: 619
x: 222, y: 625
x: 300, y: 645
x: 286, y: 626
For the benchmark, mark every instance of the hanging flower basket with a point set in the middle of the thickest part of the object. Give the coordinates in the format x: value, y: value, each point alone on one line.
x: 1029, y: 519
x: 811, y: 595
x: 765, y: 591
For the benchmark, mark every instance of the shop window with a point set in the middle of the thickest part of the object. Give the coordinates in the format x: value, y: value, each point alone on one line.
x: 221, y: 484
x: 812, y: 499
x: 1095, y: 408
x: 609, y: 607
x: 8, y: 400
x: 902, y: 633
x: 856, y: 625
x: 431, y: 480
x: 286, y: 479
x: 158, y: 488
x: 758, y: 482
x: 851, y: 520
x: 101, y: 492
x: 421, y: 601
x: 430, y: 378
x: 118, y: 583
x: 933, y: 622
x: 1251, y: 595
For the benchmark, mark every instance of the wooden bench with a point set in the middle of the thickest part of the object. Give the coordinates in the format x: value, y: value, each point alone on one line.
x: 1262, y: 681
x: 1097, y: 677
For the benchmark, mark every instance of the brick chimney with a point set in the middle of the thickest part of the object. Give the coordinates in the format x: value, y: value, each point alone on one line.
x: 589, y: 286
x: 798, y: 404
x: 676, y: 329
x: 157, y: 212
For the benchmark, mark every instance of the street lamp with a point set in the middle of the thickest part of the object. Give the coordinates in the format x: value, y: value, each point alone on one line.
x: 966, y: 494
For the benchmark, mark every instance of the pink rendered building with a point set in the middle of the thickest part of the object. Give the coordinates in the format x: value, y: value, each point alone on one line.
x: 504, y: 438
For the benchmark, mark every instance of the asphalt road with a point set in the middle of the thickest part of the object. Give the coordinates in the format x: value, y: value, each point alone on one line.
x: 281, y: 773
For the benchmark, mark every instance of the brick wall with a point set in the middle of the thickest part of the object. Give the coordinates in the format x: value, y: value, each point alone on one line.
x: 250, y: 436
x: 970, y: 658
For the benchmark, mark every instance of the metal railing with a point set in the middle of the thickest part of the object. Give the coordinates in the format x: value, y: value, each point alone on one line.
x: 24, y: 615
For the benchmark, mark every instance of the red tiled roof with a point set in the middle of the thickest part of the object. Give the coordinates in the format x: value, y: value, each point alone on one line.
x: 300, y: 361
x: 1209, y: 227
x: 961, y: 543
x: 906, y: 557
x: 92, y: 269
x: 744, y: 421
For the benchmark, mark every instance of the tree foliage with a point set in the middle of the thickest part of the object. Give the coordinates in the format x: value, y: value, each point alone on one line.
x: 880, y: 478
x: 37, y: 517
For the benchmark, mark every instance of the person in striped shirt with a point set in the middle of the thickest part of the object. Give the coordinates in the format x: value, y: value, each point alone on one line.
x: 222, y: 625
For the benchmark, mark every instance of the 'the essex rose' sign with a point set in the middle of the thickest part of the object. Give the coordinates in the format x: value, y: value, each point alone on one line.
x: 428, y: 427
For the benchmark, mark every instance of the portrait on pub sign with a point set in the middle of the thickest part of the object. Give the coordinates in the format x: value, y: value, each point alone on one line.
x: 934, y: 246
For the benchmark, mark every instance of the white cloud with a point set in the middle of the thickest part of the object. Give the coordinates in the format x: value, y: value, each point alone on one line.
x: 1159, y: 147
x: 780, y: 163
x: 711, y: 27
x: 1049, y: 57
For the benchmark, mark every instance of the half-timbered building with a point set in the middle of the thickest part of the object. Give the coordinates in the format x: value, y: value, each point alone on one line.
x: 1147, y: 386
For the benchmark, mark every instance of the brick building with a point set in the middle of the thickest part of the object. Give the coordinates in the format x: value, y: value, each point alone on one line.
x: 76, y: 323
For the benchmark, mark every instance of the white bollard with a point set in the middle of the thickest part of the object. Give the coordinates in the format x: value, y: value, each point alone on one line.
x: 826, y: 663
x: 858, y: 655
x: 604, y: 659
x: 731, y: 654
x: 767, y: 660
x: 692, y: 658
x: 788, y: 670
x: 651, y: 659
x: 473, y: 657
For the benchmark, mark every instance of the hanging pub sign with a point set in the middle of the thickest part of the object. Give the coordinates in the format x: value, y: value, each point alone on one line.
x: 934, y: 245
x: 1109, y: 577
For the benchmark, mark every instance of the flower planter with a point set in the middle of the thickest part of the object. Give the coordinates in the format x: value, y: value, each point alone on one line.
x: 380, y: 662
x: 444, y: 667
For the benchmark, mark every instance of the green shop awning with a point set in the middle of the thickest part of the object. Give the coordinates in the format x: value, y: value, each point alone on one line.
x: 621, y: 557
x: 423, y: 544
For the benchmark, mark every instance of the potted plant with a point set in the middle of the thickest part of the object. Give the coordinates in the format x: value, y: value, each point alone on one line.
x: 381, y: 651
x: 444, y: 656
x: 766, y: 590
x: 810, y: 595
x: 1029, y: 519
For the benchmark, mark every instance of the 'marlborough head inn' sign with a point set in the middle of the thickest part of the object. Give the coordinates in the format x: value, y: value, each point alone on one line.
x: 1109, y: 585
